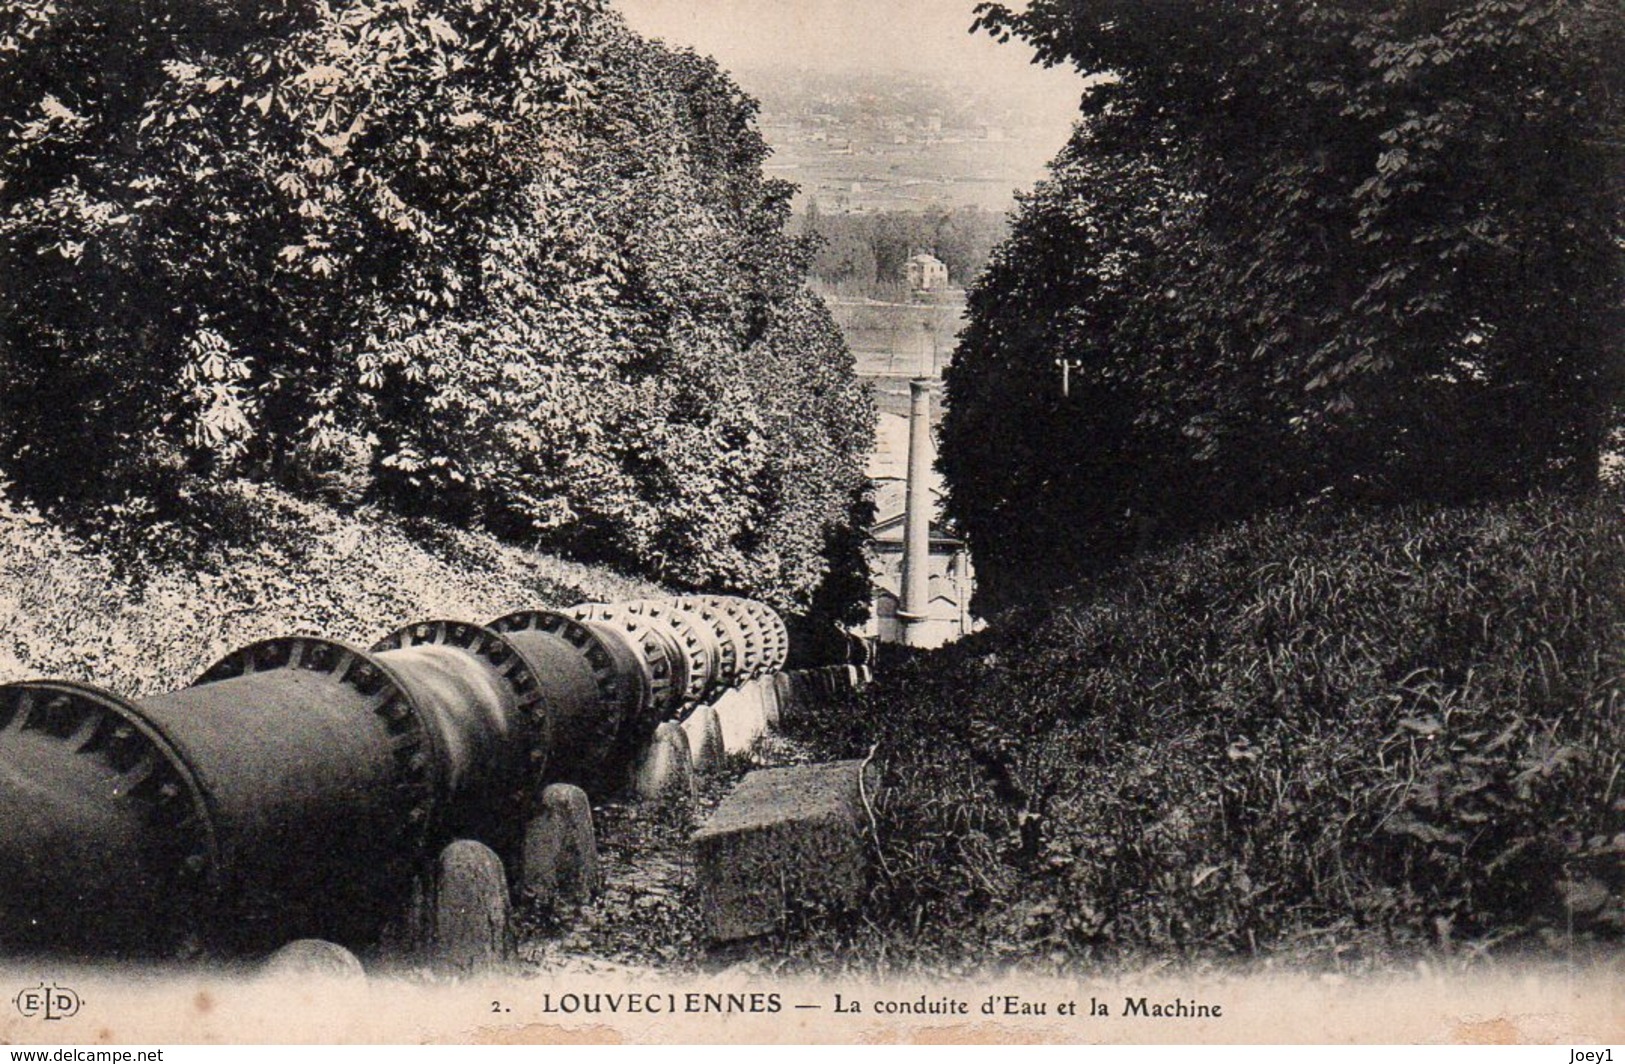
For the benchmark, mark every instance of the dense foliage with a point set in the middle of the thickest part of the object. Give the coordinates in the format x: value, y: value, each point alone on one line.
x: 1325, y: 736
x: 1294, y: 249
x: 496, y: 262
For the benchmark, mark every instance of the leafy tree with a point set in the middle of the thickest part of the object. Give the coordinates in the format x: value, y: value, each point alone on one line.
x: 963, y: 239
x: 1382, y: 260
x: 228, y: 211
x: 845, y: 254
x: 1044, y: 482
x: 522, y: 258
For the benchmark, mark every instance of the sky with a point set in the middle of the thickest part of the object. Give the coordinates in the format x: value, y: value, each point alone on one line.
x: 834, y: 36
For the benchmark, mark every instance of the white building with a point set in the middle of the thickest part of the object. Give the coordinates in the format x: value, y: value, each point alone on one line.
x: 926, y: 273
x: 952, y: 580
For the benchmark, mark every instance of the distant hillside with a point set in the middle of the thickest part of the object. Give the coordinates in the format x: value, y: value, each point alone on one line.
x: 887, y: 140
x: 148, y: 612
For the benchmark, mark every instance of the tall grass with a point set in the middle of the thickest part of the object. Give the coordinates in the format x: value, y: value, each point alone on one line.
x: 1321, y: 737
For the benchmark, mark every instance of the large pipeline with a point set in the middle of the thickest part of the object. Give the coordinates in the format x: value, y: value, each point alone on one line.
x: 298, y: 786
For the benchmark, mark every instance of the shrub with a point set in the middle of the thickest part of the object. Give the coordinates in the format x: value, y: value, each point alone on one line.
x: 507, y: 265
x: 1293, y: 249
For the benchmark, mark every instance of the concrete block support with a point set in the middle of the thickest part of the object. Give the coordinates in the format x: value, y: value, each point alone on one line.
x: 705, y: 747
x: 313, y: 958
x: 561, y: 849
x: 471, y: 931
x: 743, y: 724
x: 767, y: 693
x: 665, y: 769
x: 786, y: 839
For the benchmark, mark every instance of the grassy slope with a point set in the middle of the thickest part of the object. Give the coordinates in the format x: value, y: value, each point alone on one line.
x: 1312, y: 737
x: 70, y: 609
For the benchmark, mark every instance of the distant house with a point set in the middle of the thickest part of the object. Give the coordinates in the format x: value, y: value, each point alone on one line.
x: 926, y: 273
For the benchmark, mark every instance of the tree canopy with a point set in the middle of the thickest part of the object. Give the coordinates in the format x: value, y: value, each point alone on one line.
x: 867, y: 253
x: 518, y: 264
x: 1294, y: 250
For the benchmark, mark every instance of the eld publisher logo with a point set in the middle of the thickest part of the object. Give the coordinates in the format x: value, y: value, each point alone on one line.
x: 47, y: 1002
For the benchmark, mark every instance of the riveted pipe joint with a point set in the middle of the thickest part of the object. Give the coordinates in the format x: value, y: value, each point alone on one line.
x: 483, y: 703
x: 775, y: 636
x: 594, y: 682
x: 284, y: 795
x: 751, y: 649
x: 665, y: 661
x: 109, y: 843
x: 695, y: 639
x: 730, y: 639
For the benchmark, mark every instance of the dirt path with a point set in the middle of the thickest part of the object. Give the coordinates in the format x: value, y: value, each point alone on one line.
x: 647, y: 915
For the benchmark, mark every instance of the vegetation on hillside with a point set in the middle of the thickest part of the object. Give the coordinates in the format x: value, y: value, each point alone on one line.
x: 502, y: 264
x: 1293, y: 250
x: 1321, y: 737
x: 147, y: 611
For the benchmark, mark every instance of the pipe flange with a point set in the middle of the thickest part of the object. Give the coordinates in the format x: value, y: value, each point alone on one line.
x: 99, y: 724
x: 694, y: 639
x: 411, y: 736
x: 775, y: 636
x: 665, y: 660
x: 489, y: 646
x: 753, y: 653
x: 780, y: 633
x: 727, y: 632
x: 608, y: 679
